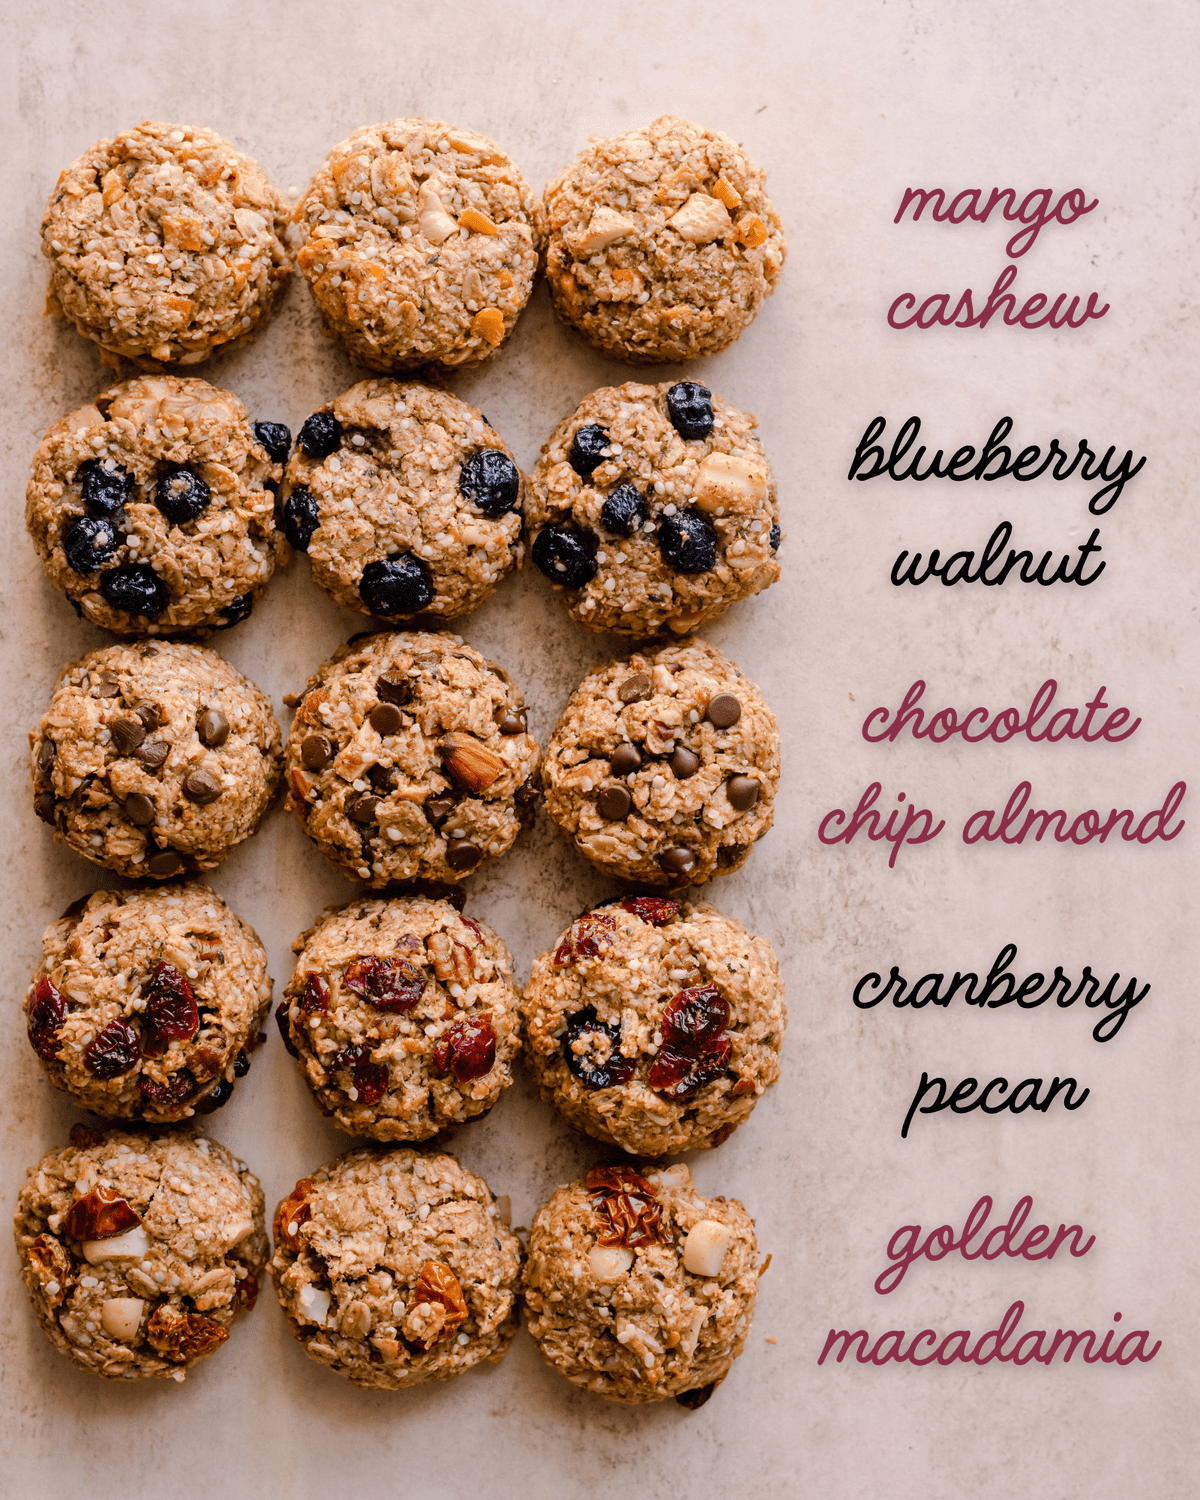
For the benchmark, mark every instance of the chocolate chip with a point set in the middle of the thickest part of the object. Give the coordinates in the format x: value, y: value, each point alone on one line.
x: 362, y: 809
x: 634, y: 688
x: 684, y: 763
x: 462, y: 855
x: 386, y: 719
x: 614, y: 803
x: 677, y: 861
x: 729, y: 854
x: 47, y: 750
x: 148, y: 713
x: 107, y: 685
x: 165, y: 862
x: 384, y: 778
x: 393, y: 687
x: 626, y: 759
x: 152, y: 753
x: 724, y: 710
x: 139, y: 809
x: 526, y: 799
x: 438, y: 809
x: 508, y: 722
x: 202, y: 787
x: 127, y: 735
x: 742, y: 792
x: 43, y: 805
x: 316, y: 752
x: 212, y: 727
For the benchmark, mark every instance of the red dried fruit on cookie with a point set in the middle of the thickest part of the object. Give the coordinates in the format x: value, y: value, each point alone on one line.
x: 51, y: 1265
x: 281, y: 1020
x: 112, y: 1051
x: 170, y: 1014
x: 370, y: 1078
x: 585, y: 937
x: 315, y: 1000
x: 47, y: 1011
x: 657, y: 910
x: 99, y: 1215
x: 474, y: 926
x: 246, y: 1291
x: 467, y: 1049
x: 628, y: 1208
x: 83, y: 1136
x: 173, y: 1091
x: 438, y: 1283
x: 291, y: 1213
x: 695, y: 1047
x: 181, y: 1336
x: 391, y: 984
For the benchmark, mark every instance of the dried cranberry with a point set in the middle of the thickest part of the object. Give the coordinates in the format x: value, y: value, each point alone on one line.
x: 214, y: 1100
x: 657, y: 910
x: 99, y: 1215
x: 370, y: 1078
x: 113, y: 1052
x: 315, y: 1000
x: 170, y: 1094
x: 628, y: 1208
x: 387, y: 983
x: 170, y: 1014
x: 281, y: 1020
x: 467, y: 1049
x: 47, y: 1010
x: 246, y: 1291
x: 592, y: 1074
x: 585, y: 937
x: 695, y: 1047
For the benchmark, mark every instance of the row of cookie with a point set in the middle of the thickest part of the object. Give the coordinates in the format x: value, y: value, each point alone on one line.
x: 160, y: 509
x: 420, y: 243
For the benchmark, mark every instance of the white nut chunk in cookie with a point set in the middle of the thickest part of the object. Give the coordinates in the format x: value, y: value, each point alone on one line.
x: 154, y: 759
x: 164, y: 244
x: 653, y: 507
x: 406, y: 501
x: 395, y: 1268
x: 403, y: 1016
x: 147, y: 1004
x: 139, y: 1251
x: 655, y: 1025
x: 409, y: 759
x: 612, y: 1301
x: 663, y: 768
x: 153, y: 507
x: 417, y: 240
x: 661, y: 243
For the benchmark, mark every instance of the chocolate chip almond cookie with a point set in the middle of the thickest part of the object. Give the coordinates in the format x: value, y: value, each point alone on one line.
x: 653, y: 507
x: 409, y: 759
x: 655, y: 1025
x: 394, y: 1268
x: 663, y: 768
x: 638, y: 1288
x: 154, y: 759
x: 164, y: 244
x: 416, y: 238
x: 139, y: 1251
x: 152, y: 508
x: 661, y: 243
x: 406, y: 501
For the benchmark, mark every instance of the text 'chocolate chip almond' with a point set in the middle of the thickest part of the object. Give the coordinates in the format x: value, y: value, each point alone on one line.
x: 471, y: 764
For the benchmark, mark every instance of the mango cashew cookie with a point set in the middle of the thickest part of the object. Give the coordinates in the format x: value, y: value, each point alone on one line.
x: 164, y: 244
x: 655, y: 1025
x: 637, y: 1288
x: 152, y: 508
x: 394, y: 1268
x: 403, y: 1016
x: 406, y: 501
x: 663, y: 768
x: 661, y: 243
x: 653, y: 507
x: 417, y: 241
x: 409, y: 759
x: 139, y: 1251
x: 154, y: 759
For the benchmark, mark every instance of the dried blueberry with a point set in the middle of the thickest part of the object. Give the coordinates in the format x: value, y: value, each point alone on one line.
x: 776, y: 534
x: 276, y: 439
x: 399, y: 586
x: 320, y: 435
x: 689, y: 407
x: 624, y: 510
x: 587, y: 449
x: 104, y: 490
x: 237, y: 611
x: 688, y: 542
x: 181, y: 495
x: 135, y: 588
x: 89, y: 542
x: 595, y: 1075
x: 491, y: 480
x: 241, y: 1063
x: 300, y: 517
x: 566, y: 555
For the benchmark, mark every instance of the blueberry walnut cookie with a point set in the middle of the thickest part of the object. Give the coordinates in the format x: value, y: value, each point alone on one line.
x: 406, y: 501
x: 663, y: 768
x: 638, y: 1288
x: 403, y: 1016
x: 152, y: 508
x: 139, y: 1251
x: 661, y: 243
x: 653, y: 507
x: 154, y: 759
x: 417, y: 241
x: 655, y: 1025
x: 409, y: 759
x: 395, y: 1268
x: 164, y: 243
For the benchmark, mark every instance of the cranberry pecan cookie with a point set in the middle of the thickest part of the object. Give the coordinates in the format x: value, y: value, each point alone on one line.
x: 395, y: 1268
x: 139, y: 1251
x: 638, y: 1288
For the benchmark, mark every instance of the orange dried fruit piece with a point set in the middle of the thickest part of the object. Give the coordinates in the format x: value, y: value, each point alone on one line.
x: 52, y: 1267
x: 488, y: 323
x: 181, y: 1336
x: 291, y: 1213
x: 627, y: 1206
x: 437, y: 1283
x: 100, y: 1214
x: 751, y: 231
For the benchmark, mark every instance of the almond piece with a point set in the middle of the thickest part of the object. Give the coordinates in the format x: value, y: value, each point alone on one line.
x: 700, y: 220
x: 471, y: 764
x: 729, y: 484
x: 606, y: 227
x: 436, y: 224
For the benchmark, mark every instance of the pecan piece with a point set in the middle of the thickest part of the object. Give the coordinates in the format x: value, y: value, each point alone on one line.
x: 453, y: 962
x: 51, y: 1265
x: 99, y: 1215
x: 180, y: 1336
x: 438, y: 1286
x: 291, y: 1213
x: 471, y: 764
x: 629, y: 1211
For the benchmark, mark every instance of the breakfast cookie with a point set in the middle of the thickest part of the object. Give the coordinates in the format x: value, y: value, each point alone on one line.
x: 417, y: 241
x: 638, y: 1288
x: 661, y: 243
x: 655, y: 1025
x: 394, y: 1268
x: 653, y: 507
x: 152, y: 508
x: 154, y: 759
x: 405, y: 500
x: 663, y: 768
x: 164, y: 243
x: 409, y: 759
x: 139, y: 1251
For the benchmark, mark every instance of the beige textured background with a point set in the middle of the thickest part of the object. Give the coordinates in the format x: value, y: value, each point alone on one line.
x: 845, y: 104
